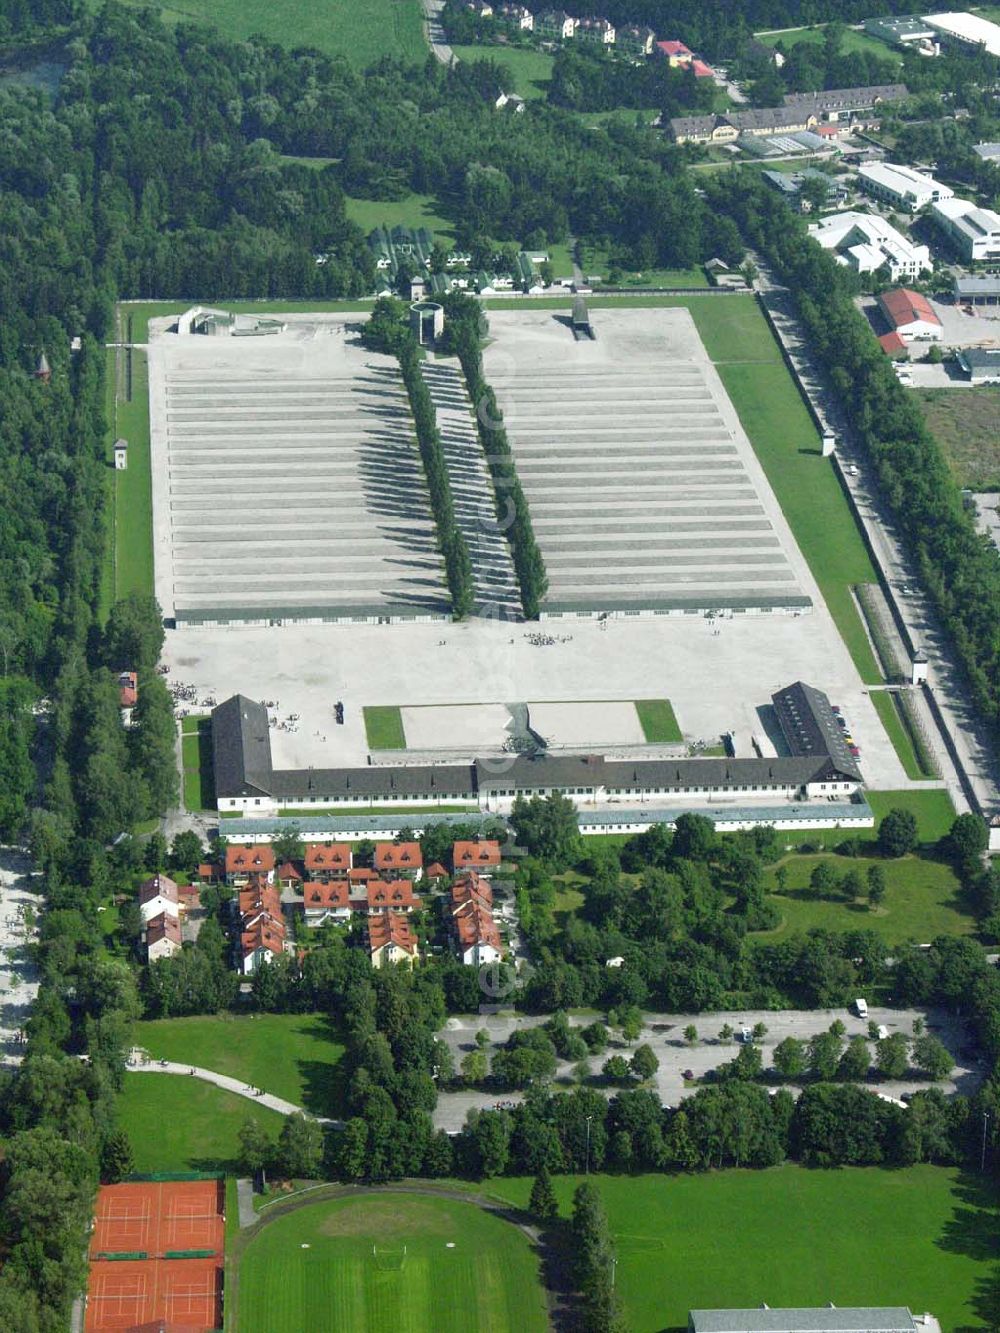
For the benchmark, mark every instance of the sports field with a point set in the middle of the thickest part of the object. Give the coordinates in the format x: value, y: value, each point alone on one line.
x: 361, y: 32
x: 295, y: 1056
x: 182, y: 1124
x: 923, y: 1237
x: 340, y: 1266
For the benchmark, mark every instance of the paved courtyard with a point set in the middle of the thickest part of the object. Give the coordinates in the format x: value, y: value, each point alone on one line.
x: 664, y: 1033
x: 643, y: 487
x: 286, y: 480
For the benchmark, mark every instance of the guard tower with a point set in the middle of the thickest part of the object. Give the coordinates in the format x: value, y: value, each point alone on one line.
x: 121, y: 455
x: 918, y: 668
x: 426, y: 321
x: 582, y: 327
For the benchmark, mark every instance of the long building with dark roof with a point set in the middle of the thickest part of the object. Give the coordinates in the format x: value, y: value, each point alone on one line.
x: 817, y: 767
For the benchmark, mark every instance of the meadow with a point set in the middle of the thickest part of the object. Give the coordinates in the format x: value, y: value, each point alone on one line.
x: 182, y: 1124
x: 923, y: 1237
x: 361, y: 33
x: 294, y: 1056
x: 529, y: 70
x: 852, y: 42
x: 340, y: 1265
x: 966, y: 424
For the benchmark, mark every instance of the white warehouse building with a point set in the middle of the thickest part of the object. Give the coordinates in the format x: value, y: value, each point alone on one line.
x: 901, y: 186
x: 974, y: 231
x: 866, y: 242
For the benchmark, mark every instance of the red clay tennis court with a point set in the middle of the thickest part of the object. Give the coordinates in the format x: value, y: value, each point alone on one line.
x: 141, y: 1266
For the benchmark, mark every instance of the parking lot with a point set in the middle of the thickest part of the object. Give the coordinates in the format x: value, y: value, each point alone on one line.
x: 664, y: 1033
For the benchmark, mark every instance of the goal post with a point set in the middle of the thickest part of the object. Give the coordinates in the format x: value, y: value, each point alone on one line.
x: 389, y: 1259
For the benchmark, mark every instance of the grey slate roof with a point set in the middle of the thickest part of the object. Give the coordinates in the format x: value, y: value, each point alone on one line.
x: 241, y: 748
x: 376, y: 780
x: 808, y: 724
x: 847, y: 99
x: 821, y: 1319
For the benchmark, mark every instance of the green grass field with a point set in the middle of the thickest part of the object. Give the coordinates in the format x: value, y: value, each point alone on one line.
x: 295, y: 1056
x: 657, y: 719
x: 416, y: 210
x: 131, y: 551
x: 197, y: 764
x: 898, y: 731
x: 464, y: 1270
x: 922, y: 1237
x: 967, y: 426
x: 852, y: 43
x: 384, y: 728
x: 921, y: 901
x: 359, y: 32
x: 529, y: 70
x: 933, y: 809
x: 182, y: 1124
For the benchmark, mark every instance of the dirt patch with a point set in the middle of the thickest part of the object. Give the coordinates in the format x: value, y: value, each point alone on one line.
x: 388, y: 1221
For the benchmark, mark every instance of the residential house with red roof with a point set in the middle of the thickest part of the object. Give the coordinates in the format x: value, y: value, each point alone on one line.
x: 128, y: 694
x: 287, y: 876
x: 391, y: 941
x: 330, y: 901
x: 260, y: 942
x: 391, y: 896
x: 327, y: 860
x: 246, y: 859
x: 158, y: 895
x: 482, y: 856
x: 162, y: 937
x: 477, y: 936
x: 399, y: 860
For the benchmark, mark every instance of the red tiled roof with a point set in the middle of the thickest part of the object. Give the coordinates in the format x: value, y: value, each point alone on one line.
x: 396, y: 896
x: 436, y: 871
x: 258, y: 896
x: 398, y: 856
x: 903, y: 306
x: 391, y: 928
x: 264, y: 933
x: 892, y: 344
x: 674, y: 48
x: 701, y: 70
x: 470, y: 886
x: 478, y: 855
x: 159, y: 886
x: 359, y: 874
x: 208, y: 871
x: 244, y: 858
x: 335, y: 894
x: 162, y: 927
x: 474, y: 924
x: 128, y: 689
x: 287, y: 871
x: 327, y: 856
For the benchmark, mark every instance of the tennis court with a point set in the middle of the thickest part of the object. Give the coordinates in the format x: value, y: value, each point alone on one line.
x: 156, y: 1255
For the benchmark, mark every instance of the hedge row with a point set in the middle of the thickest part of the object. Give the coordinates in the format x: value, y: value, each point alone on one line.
x: 513, y: 515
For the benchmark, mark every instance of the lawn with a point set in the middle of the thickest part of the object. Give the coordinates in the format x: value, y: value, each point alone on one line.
x: 182, y: 1124
x: 922, y: 1237
x: 898, y: 731
x: 361, y: 32
x: 921, y: 899
x: 966, y: 423
x: 656, y: 717
x: 294, y: 1056
x: 933, y: 809
x: 852, y: 43
x: 384, y: 728
x: 416, y: 210
x: 595, y: 263
x: 529, y: 70
x: 316, y: 1269
x: 132, y: 547
x: 197, y: 764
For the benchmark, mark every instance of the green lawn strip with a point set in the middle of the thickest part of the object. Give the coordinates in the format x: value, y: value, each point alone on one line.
x: 361, y: 33
x: 415, y: 210
x: 898, y: 732
x: 922, y: 899
x: 529, y: 70
x: 464, y: 1269
x: 923, y: 1237
x: 656, y: 717
x: 785, y: 441
x: 197, y: 763
x: 107, y: 592
x: 852, y: 43
x: 177, y: 1123
x: 133, y: 488
x: 294, y: 1056
x: 384, y: 727
x: 932, y: 808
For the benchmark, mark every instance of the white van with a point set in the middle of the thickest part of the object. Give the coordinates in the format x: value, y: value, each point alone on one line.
x: 861, y: 1008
